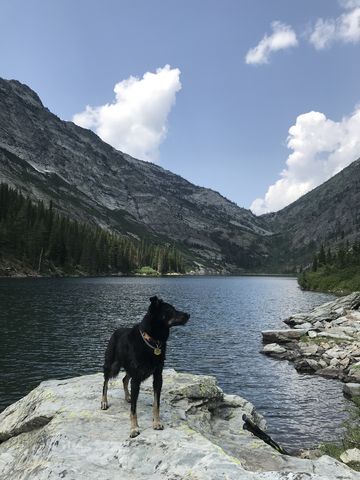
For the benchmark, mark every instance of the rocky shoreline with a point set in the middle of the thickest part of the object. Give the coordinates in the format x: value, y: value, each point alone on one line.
x: 324, y: 341
x: 59, y: 431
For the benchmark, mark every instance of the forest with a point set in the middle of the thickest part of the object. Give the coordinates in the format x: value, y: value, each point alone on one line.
x: 334, y: 269
x: 48, y: 242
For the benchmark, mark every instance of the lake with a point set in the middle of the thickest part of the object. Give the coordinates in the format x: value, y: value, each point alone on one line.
x: 57, y: 328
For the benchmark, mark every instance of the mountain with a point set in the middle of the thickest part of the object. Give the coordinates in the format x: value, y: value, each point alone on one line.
x: 50, y: 159
x: 329, y: 215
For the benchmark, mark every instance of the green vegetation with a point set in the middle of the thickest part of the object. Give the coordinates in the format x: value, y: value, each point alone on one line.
x: 351, y: 437
x: 45, y: 242
x: 146, y: 271
x: 335, y: 271
x: 319, y: 340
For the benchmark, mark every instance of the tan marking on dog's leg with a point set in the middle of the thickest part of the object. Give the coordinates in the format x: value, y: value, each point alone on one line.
x: 126, y: 380
x: 157, y: 424
x: 104, y: 400
x: 135, y: 388
x: 134, y: 427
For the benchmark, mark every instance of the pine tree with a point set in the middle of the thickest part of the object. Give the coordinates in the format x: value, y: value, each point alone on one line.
x: 322, y: 256
x: 36, y: 234
x: 315, y: 264
x: 329, y: 259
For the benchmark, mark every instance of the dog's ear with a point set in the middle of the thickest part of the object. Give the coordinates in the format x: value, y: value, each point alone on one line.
x: 154, y: 300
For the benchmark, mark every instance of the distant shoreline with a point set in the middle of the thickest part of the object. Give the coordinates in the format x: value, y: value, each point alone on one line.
x: 167, y: 275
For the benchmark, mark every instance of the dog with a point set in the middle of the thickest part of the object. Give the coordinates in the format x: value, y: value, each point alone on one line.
x: 140, y: 351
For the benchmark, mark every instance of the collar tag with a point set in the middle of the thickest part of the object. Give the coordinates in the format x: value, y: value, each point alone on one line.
x: 146, y: 337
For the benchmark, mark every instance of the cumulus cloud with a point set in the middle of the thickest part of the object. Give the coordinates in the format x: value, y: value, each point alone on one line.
x: 320, y: 148
x: 283, y: 37
x: 349, y: 3
x: 345, y: 28
x: 136, y: 121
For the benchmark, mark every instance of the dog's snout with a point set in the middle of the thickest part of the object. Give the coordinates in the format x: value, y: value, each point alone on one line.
x: 187, y: 316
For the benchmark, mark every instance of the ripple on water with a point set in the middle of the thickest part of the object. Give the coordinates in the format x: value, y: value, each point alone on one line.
x: 52, y: 328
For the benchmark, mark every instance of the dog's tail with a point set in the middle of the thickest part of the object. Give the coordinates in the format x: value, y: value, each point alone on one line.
x: 111, y: 364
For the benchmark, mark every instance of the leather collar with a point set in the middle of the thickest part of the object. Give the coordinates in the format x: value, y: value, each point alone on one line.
x: 151, y: 342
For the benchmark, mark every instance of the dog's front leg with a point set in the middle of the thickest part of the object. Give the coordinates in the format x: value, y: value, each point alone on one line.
x: 157, y: 385
x: 104, y: 400
x: 135, y: 387
x: 126, y: 380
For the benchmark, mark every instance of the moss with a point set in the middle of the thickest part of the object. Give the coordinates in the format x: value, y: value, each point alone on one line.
x: 354, y: 466
x: 320, y: 340
x: 332, y: 450
x: 351, y: 437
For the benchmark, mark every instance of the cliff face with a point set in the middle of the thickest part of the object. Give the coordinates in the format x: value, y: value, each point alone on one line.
x: 88, y: 179
x: 50, y: 159
x: 59, y: 431
x: 329, y: 214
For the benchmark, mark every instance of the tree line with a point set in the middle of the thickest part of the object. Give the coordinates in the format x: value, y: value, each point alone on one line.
x: 38, y: 235
x: 333, y: 269
x: 342, y: 257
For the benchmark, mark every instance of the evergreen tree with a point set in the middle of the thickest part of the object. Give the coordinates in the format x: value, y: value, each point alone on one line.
x: 329, y: 257
x: 322, y: 256
x: 36, y: 234
x: 315, y: 264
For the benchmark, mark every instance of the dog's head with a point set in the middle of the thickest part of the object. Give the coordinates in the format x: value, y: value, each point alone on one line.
x: 165, y: 314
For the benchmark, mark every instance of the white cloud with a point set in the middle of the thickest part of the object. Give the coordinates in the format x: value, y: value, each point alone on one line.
x: 320, y: 148
x: 283, y: 37
x: 323, y: 34
x: 136, y: 121
x: 349, y: 3
x: 345, y: 28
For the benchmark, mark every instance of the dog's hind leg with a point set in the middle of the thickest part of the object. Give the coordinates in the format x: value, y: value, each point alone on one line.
x: 110, y: 368
x: 157, y: 385
x: 104, y: 400
x: 135, y: 388
x: 126, y: 380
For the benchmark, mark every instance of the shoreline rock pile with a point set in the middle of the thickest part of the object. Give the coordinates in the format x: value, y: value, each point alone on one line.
x: 59, y: 431
x: 324, y: 341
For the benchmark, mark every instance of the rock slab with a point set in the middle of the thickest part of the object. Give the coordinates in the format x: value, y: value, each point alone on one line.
x: 59, y: 431
x: 351, y: 456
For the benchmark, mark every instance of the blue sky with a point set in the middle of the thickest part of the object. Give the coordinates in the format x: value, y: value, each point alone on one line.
x: 229, y: 127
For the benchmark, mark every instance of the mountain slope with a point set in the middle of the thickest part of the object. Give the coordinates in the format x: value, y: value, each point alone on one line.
x: 48, y: 158
x: 329, y: 214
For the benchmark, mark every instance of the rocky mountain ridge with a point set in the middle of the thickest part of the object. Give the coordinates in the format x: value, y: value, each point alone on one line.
x: 50, y: 159
x: 329, y: 214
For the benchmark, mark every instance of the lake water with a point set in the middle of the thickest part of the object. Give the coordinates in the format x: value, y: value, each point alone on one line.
x: 56, y: 328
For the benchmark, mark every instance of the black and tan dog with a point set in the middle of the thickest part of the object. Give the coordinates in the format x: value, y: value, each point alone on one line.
x: 140, y: 351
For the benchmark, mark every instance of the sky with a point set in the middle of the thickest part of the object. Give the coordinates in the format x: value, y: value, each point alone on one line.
x: 257, y: 99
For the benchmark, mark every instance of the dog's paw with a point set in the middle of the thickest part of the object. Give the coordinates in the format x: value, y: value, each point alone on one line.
x: 127, y: 398
x: 157, y: 425
x: 104, y: 405
x: 134, y: 432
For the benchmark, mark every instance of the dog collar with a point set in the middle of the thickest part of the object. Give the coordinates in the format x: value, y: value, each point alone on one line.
x: 149, y: 340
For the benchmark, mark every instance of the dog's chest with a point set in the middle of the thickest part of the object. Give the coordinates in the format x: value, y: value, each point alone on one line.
x: 148, y: 364
x: 145, y: 371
